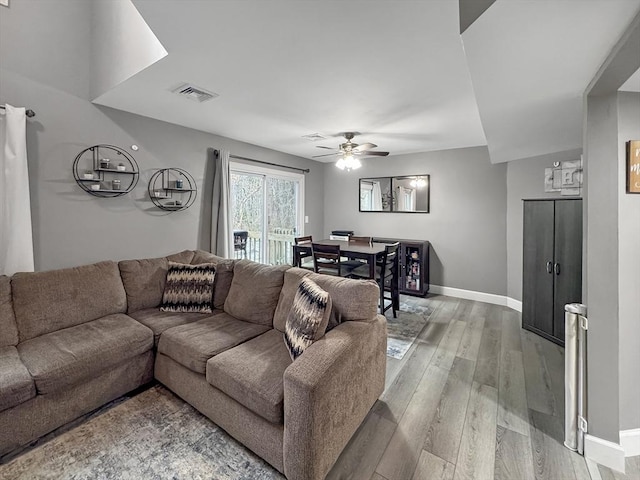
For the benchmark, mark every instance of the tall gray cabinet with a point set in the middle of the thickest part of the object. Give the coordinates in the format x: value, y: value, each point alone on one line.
x: 552, y: 264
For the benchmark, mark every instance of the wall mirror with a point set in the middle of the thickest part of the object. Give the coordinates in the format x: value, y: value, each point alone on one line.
x: 409, y: 193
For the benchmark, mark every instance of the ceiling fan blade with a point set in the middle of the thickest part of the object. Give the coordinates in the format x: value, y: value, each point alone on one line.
x: 327, y: 155
x: 374, y: 154
x: 365, y: 146
x: 327, y: 148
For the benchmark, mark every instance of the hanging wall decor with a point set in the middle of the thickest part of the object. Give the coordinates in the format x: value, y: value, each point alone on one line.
x: 172, y: 189
x: 564, y: 177
x: 105, y: 171
x: 633, y: 166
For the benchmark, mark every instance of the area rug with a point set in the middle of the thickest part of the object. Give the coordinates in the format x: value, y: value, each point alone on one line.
x: 403, y: 330
x: 154, y: 435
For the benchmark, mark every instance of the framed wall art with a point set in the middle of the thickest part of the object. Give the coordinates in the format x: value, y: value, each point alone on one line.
x: 633, y: 166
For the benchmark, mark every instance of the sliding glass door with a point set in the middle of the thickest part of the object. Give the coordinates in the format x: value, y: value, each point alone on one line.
x: 268, y: 205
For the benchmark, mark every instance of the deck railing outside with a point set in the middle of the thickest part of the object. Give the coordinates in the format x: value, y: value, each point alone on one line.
x: 280, y: 249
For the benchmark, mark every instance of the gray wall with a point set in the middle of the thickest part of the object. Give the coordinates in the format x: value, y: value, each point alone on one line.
x: 525, y: 179
x: 602, y: 261
x: 467, y: 222
x: 629, y: 268
x: 70, y: 226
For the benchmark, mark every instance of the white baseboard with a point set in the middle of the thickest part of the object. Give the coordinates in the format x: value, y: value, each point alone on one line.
x: 515, y: 304
x: 477, y: 296
x: 630, y: 442
x: 604, y: 452
x: 468, y: 294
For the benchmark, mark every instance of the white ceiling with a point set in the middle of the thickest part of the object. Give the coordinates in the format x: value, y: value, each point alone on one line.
x: 633, y: 84
x: 394, y: 70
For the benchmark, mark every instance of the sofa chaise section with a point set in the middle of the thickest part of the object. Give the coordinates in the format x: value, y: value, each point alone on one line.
x: 78, y: 346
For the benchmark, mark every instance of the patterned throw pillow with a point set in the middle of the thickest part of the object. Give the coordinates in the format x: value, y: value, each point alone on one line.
x: 308, y: 318
x: 189, y: 288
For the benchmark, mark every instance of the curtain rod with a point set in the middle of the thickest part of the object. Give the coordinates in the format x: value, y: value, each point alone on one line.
x: 30, y: 113
x: 304, y: 170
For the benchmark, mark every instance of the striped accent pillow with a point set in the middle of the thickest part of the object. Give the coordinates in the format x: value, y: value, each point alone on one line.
x: 189, y: 288
x: 308, y: 318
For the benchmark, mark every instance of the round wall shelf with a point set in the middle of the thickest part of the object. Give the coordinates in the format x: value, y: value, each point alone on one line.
x: 172, y: 189
x: 105, y: 171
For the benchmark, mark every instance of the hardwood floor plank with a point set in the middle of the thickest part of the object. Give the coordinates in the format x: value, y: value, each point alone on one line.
x: 493, y: 318
x: 488, y: 363
x: 431, y: 467
x: 479, y: 310
x: 513, y: 456
x: 445, y: 430
x: 448, y: 346
x: 580, y: 466
x: 476, y: 457
x: 463, y: 310
x: 553, y: 356
x: 511, y: 331
x: 377, y: 476
x: 470, y: 343
x: 512, y: 396
x: 549, y: 454
x: 361, y: 455
x: 395, y: 399
x: 401, y: 455
x: 631, y: 467
x: 540, y: 396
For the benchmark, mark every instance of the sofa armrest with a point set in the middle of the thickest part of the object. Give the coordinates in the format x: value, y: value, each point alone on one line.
x: 328, y: 391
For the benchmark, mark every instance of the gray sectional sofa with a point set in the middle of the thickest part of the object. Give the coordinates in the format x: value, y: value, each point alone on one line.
x: 72, y: 340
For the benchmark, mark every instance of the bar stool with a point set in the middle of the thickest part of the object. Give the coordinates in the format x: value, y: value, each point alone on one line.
x: 386, y: 276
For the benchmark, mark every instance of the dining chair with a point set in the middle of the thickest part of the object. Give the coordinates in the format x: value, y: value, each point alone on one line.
x: 386, y: 276
x: 326, y: 259
x: 304, y: 260
x: 240, y: 243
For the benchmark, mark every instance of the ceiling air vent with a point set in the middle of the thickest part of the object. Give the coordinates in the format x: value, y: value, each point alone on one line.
x: 314, y: 137
x: 194, y: 93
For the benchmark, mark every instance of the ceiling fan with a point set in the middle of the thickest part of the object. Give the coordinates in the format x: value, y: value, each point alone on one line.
x: 348, y: 151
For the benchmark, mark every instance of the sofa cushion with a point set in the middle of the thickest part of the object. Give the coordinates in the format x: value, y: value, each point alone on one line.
x: 46, y: 302
x: 189, y: 288
x: 224, y: 275
x: 69, y: 356
x: 308, y: 317
x: 16, y: 385
x: 194, y: 343
x: 200, y: 256
x: 252, y: 374
x: 222, y: 283
x: 352, y: 300
x: 8, y: 329
x: 254, y: 291
x: 159, y: 321
x: 144, y: 279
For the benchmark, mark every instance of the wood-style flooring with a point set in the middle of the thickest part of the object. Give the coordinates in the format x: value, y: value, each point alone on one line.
x: 475, y: 397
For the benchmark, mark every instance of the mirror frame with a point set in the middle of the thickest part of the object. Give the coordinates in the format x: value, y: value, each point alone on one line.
x: 391, y: 209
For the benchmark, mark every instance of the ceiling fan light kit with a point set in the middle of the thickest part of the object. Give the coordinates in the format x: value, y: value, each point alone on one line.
x: 348, y: 152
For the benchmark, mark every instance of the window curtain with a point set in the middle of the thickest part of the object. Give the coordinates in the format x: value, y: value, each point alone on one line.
x: 16, y: 240
x: 377, y: 196
x: 221, y: 221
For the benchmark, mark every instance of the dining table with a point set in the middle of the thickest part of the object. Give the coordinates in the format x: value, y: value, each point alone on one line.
x: 369, y: 253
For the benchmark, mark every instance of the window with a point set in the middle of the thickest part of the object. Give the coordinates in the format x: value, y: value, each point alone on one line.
x: 268, y: 204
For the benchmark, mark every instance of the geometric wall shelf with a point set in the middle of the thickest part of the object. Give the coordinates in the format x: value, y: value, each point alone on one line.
x: 105, y: 171
x: 172, y: 189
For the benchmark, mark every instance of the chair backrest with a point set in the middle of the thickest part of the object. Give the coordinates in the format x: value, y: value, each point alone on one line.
x: 389, y: 264
x: 326, y: 257
x: 360, y: 240
x: 303, y: 240
x: 240, y: 239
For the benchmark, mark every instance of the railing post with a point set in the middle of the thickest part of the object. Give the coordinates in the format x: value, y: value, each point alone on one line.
x: 575, y: 424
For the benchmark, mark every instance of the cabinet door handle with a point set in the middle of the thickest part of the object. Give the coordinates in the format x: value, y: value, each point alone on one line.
x: 549, y: 267
x: 556, y: 267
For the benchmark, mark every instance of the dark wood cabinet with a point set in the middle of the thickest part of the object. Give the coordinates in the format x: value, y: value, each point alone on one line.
x: 413, y: 265
x: 552, y: 264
